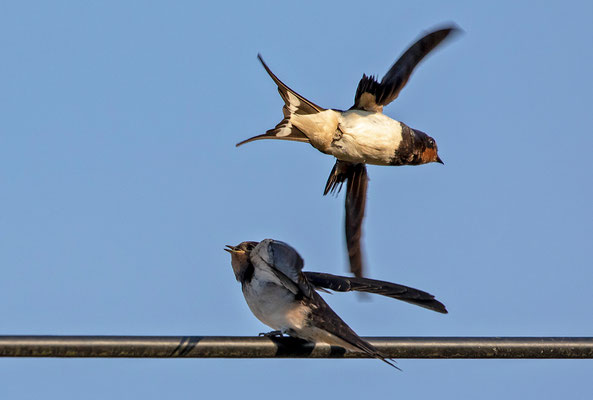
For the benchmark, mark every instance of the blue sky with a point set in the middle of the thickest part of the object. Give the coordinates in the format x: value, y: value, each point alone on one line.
x: 120, y: 185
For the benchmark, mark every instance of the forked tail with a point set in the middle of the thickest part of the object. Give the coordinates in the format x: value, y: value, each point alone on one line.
x: 294, y: 103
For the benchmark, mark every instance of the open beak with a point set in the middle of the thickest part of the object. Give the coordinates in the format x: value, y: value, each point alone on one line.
x: 231, y: 249
x: 439, y: 160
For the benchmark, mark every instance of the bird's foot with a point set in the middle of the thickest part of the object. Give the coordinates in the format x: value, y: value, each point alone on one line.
x: 271, y: 334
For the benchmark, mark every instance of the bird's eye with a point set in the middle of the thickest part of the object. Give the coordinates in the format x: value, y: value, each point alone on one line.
x: 431, y: 142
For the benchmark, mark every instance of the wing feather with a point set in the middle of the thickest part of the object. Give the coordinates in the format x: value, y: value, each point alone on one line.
x: 285, y: 263
x: 355, y: 176
x: 372, y: 95
x: 383, y: 288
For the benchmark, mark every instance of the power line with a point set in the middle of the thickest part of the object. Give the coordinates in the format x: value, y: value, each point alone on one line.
x: 286, y: 347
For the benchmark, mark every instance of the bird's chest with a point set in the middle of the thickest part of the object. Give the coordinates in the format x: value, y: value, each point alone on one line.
x: 365, y: 137
x: 274, y: 305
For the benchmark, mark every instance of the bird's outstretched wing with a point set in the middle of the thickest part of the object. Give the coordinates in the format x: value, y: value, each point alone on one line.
x: 393, y: 290
x: 372, y: 95
x: 356, y: 193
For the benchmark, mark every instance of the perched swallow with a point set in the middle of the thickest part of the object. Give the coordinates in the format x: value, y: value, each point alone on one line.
x: 283, y: 297
x: 361, y: 135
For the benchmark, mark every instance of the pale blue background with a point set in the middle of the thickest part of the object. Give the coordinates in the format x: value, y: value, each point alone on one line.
x: 120, y: 185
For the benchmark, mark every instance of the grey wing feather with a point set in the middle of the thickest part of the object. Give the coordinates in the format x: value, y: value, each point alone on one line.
x: 393, y: 290
x: 285, y: 262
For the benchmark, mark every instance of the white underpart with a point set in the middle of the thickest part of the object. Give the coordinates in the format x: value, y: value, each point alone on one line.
x: 320, y: 128
x: 272, y: 303
x: 367, y: 137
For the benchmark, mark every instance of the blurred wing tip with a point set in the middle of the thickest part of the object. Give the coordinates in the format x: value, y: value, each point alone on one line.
x: 447, y: 26
x: 450, y: 30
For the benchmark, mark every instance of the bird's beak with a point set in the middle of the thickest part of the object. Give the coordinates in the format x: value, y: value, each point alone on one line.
x: 439, y: 160
x: 231, y: 249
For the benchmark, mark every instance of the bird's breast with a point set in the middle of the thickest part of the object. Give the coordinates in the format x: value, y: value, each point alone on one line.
x: 274, y: 305
x: 366, y: 137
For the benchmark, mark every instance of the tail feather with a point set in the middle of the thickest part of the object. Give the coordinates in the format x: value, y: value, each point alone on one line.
x: 283, y: 131
x: 294, y: 103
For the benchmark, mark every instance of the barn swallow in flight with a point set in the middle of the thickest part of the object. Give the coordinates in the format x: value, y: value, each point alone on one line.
x: 283, y: 297
x: 361, y: 135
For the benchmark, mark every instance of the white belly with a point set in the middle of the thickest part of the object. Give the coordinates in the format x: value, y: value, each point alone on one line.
x: 367, y: 137
x: 274, y: 305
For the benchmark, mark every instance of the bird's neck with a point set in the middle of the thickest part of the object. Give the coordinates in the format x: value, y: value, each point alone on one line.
x: 243, y: 272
